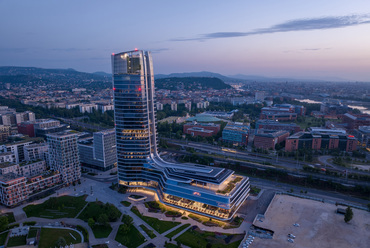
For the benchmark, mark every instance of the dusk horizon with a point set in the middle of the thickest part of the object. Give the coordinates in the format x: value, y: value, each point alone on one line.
x: 306, y: 40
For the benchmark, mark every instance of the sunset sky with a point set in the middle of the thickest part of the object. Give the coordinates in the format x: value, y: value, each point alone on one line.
x: 287, y: 38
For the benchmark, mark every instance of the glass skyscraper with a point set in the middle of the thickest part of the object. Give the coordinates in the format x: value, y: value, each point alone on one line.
x: 211, y: 191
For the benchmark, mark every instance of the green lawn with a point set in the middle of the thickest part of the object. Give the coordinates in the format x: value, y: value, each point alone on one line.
x: 101, y: 231
x: 178, y: 230
x: 57, y: 207
x: 84, y: 232
x: 10, y: 216
x: 132, y: 239
x: 17, y: 241
x: 3, y: 238
x: 169, y: 245
x: 149, y: 232
x: 126, y: 203
x: 193, y: 238
x: 158, y: 225
x: 33, y: 232
x: 95, y: 209
x: 49, y: 237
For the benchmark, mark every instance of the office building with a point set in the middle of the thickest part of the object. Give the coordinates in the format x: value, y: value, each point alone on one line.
x: 275, y: 125
x: 267, y: 139
x: 98, y: 152
x: 236, y: 133
x: 63, y: 155
x: 363, y: 136
x: 354, y: 121
x: 210, y: 191
x: 320, y: 140
x: 201, y: 129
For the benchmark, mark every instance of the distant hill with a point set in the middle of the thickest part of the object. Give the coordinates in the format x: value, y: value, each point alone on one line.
x: 62, y: 77
x: 190, y: 83
x: 249, y: 78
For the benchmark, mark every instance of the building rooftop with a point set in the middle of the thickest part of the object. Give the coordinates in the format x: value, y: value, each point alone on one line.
x: 203, y: 118
x: 6, y: 164
x: 9, y: 177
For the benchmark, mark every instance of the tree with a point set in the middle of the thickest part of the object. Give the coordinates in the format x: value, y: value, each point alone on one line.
x: 103, y: 219
x: 124, y: 229
x: 348, y: 215
x: 127, y: 219
x: 3, y: 223
x: 91, y: 222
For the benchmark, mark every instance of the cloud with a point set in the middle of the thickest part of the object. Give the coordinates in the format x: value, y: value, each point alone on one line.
x: 319, y: 23
x: 158, y: 50
x: 71, y: 49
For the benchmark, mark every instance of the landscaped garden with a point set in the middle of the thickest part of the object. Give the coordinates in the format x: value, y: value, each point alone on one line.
x: 98, y: 215
x: 129, y: 236
x: 178, y: 230
x: 10, y: 217
x: 32, y: 232
x: 194, y: 237
x: 17, y: 241
x: 52, y: 237
x: 148, y: 231
x: 3, y: 238
x: 126, y: 203
x: 159, y: 225
x: 57, y: 207
x: 206, y: 221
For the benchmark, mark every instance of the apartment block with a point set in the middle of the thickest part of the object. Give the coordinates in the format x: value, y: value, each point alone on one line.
x: 63, y: 155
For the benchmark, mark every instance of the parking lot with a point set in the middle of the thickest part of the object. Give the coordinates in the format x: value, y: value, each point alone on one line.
x: 317, y: 225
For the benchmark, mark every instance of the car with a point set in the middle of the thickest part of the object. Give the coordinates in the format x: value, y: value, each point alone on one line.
x: 291, y: 240
x: 291, y: 236
x: 296, y: 224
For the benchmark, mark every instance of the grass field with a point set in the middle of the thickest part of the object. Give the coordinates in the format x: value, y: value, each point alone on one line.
x: 126, y: 203
x: 49, y: 237
x: 101, y: 231
x: 57, y: 207
x: 194, y: 238
x: 17, y: 241
x: 33, y: 232
x: 132, y: 239
x: 10, y: 216
x: 3, y: 238
x: 178, y: 230
x: 149, y: 232
x: 159, y: 225
x: 169, y: 245
x: 94, y: 209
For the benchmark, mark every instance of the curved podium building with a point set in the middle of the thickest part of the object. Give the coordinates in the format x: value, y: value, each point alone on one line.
x: 210, y: 191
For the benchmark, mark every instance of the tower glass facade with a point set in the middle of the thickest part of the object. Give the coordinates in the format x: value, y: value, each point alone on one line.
x: 211, y: 191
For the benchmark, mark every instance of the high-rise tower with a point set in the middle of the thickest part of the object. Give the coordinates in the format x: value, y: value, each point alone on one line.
x: 211, y: 191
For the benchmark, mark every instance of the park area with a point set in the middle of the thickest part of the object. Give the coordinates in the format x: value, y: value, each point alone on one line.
x: 98, y: 215
x: 159, y: 225
x: 319, y: 225
x: 57, y: 207
x: 194, y: 237
x: 51, y: 237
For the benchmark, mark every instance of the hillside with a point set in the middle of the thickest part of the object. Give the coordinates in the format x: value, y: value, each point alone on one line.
x: 33, y: 76
x: 191, y: 83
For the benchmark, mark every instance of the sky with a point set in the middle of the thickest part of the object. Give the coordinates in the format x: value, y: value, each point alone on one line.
x: 287, y: 38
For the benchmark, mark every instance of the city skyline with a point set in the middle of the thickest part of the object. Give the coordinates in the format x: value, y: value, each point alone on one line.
x: 304, y: 40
